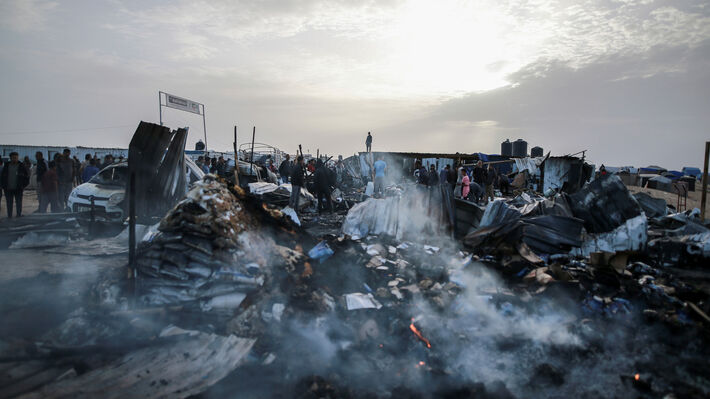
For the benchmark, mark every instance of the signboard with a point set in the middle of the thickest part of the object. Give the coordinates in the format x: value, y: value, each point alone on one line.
x: 182, y: 103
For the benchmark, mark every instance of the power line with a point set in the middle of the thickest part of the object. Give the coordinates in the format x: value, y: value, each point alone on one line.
x: 65, y: 130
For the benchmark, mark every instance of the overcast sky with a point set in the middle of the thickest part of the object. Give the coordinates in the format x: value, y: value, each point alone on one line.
x: 627, y: 80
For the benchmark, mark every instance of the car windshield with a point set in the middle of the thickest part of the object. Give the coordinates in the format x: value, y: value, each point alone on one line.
x: 111, y: 176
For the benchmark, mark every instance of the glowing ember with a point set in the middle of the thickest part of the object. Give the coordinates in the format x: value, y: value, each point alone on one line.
x: 418, y: 334
x: 637, y: 377
x: 421, y: 363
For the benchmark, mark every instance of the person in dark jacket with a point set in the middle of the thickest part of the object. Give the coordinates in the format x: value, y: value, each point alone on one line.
x: 285, y: 169
x: 423, y: 176
x: 41, y: 170
x: 49, y: 186
x: 13, y: 180
x: 479, y: 174
x: 368, y: 142
x: 323, y: 187
x: 491, y: 177
x: 65, y: 172
x: 89, y: 171
x: 432, y: 177
x: 297, y: 181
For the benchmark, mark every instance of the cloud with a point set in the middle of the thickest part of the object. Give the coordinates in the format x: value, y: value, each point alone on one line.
x: 25, y: 15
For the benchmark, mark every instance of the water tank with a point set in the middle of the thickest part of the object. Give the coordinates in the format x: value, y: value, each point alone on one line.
x: 506, y: 148
x: 536, y: 152
x: 520, y: 148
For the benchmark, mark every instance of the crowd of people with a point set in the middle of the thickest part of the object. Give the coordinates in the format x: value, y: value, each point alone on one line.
x: 477, y: 184
x: 55, y: 179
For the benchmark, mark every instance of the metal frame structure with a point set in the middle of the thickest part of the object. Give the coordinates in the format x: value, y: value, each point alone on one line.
x: 160, y: 112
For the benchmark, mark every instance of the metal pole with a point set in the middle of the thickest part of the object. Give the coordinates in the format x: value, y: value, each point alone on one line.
x: 132, y: 223
x: 204, y: 126
x: 251, y: 162
x: 236, y: 158
x: 160, y: 107
x: 703, y: 200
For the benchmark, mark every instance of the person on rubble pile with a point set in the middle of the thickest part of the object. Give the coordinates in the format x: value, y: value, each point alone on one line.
x: 297, y: 181
x: 40, y: 170
x: 479, y: 174
x: 368, y: 142
x: 49, y: 187
x: 323, y: 187
x: 380, y: 168
x: 432, y: 176
x: 491, y: 177
x: 65, y: 173
x: 13, y: 180
x: 285, y: 169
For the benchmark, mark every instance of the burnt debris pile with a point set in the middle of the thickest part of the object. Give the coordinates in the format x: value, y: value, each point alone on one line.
x: 593, y: 294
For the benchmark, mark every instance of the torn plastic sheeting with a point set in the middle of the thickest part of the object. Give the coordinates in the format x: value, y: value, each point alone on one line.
x: 532, y: 165
x: 321, y: 252
x: 604, y: 204
x: 630, y: 236
x: 361, y: 301
x: 260, y: 188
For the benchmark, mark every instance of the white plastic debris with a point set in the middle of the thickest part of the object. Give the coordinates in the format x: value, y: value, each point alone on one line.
x: 288, y: 211
x: 361, y: 301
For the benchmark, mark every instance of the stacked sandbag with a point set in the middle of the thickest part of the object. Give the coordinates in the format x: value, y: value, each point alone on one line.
x: 204, y: 252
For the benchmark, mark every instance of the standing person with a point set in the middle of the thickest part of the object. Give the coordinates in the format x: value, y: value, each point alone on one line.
x: 323, y: 187
x: 380, y: 168
x: 89, y: 171
x: 13, y: 180
x: 285, y: 169
x: 65, y: 174
x: 459, y: 182
x: 368, y: 142
x: 443, y: 175
x: 479, y: 174
x: 433, y: 177
x: 451, y: 178
x: 49, y: 187
x: 77, y: 167
x: 423, y: 177
x: 201, y: 163
x: 297, y: 181
x: 465, y: 184
x: 491, y: 177
x: 40, y: 171
x: 84, y: 164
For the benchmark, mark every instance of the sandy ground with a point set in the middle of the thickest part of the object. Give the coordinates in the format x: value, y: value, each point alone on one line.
x: 29, y: 204
x: 671, y: 199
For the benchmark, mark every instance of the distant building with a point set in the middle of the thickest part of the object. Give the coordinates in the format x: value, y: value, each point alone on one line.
x: 49, y: 151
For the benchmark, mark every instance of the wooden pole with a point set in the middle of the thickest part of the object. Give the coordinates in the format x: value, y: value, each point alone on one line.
x: 251, y: 162
x: 236, y: 158
x: 703, y: 200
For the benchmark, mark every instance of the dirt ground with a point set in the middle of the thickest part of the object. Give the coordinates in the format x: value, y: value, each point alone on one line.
x: 29, y: 204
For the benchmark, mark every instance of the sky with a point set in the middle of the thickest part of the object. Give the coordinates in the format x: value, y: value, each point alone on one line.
x: 626, y: 80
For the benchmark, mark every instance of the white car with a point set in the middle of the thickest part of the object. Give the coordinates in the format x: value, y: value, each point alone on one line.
x: 108, y: 189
